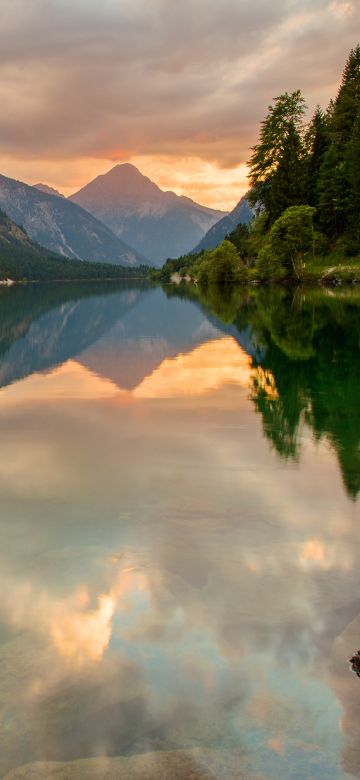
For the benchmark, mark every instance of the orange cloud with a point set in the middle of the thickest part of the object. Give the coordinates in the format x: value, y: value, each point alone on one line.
x: 86, y: 85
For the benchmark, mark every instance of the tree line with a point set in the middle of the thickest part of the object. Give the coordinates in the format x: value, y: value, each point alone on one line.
x: 305, y: 192
x: 316, y: 164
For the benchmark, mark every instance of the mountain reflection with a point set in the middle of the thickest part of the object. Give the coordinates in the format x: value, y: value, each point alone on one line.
x: 302, y: 348
x: 178, y: 555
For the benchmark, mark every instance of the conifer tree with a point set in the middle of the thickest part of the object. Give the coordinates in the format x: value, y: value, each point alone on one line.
x: 277, y: 164
x: 353, y: 172
x: 317, y: 142
x: 332, y: 193
x: 334, y: 184
x: 347, y: 103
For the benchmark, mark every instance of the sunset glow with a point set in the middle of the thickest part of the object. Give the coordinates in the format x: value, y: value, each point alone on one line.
x: 152, y: 84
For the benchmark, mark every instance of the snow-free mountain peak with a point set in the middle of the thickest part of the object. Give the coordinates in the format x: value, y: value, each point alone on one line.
x: 156, y: 223
x: 122, y: 184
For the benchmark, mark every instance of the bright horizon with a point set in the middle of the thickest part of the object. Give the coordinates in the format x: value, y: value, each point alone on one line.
x: 177, y: 91
x: 180, y: 183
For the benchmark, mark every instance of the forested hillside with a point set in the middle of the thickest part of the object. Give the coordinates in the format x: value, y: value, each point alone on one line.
x: 305, y: 189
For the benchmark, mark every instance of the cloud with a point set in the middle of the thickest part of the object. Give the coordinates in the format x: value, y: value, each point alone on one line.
x: 342, y: 9
x: 113, y: 81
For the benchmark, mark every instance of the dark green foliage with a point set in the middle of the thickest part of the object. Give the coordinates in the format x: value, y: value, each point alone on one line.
x: 240, y: 239
x: 290, y: 238
x: 347, y: 103
x: 317, y: 142
x: 290, y: 166
x: 222, y: 265
x: 298, y: 175
x: 332, y: 192
x: 277, y: 164
x: 353, y: 168
x: 180, y: 265
x: 334, y: 182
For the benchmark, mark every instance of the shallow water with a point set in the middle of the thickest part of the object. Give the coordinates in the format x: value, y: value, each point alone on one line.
x: 179, y: 535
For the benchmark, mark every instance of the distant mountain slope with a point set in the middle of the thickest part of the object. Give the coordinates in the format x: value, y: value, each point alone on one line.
x: 158, y: 224
x: 241, y: 213
x: 62, y: 226
x: 48, y: 190
x: 21, y: 258
x: 12, y: 236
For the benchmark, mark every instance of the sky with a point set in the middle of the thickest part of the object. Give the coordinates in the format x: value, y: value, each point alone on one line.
x: 178, y: 89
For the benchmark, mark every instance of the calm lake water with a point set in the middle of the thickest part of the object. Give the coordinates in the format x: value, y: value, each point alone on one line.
x: 179, y: 533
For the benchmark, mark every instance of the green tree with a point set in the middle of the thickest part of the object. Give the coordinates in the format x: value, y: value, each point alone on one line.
x: 332, y: 193
x: 347, y: 102
x: 239, y: 237
x: 334, y: 185
x: 317, y: 142
x: 290, y: 238
x: 353, y: 166
x: 277, y: 164
x: 220, y: 266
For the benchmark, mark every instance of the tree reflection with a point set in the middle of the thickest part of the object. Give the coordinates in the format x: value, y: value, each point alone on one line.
x: 308, y: 343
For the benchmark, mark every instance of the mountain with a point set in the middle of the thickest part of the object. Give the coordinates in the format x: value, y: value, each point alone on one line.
x: 21, y: 258
x: 16, y: 247
x: 62, y: 226
x: 241, y: 213
x: 158, y: 224
x: 48, y: 190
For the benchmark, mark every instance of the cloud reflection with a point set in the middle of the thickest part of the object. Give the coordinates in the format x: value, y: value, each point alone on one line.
x: 83, y: 635
x: 179, y: 584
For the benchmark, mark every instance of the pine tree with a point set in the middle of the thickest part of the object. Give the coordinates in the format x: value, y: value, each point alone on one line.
x: 334, y: 184
x: 317, y: 142
x: 353, y: 172
x: 288, y: 184
x: 277, y: 164
x: 347, y: 103
x: 332, y: 193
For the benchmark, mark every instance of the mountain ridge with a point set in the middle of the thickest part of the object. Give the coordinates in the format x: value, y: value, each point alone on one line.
x: 242, y: 213
x: 157, y: 223
x: 63, y: 227
x: 47, y: 189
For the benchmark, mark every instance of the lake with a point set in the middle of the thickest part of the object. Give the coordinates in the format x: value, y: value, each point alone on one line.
x: 179, y: 533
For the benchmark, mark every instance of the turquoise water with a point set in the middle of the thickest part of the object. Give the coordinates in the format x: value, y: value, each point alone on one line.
x: 179, y: 534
